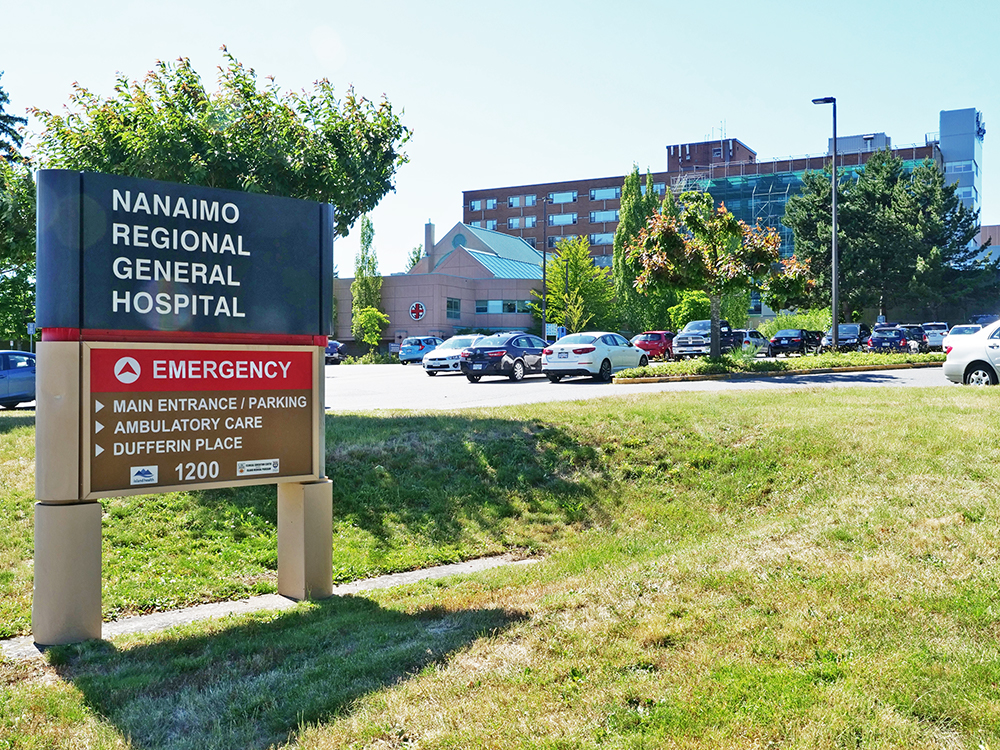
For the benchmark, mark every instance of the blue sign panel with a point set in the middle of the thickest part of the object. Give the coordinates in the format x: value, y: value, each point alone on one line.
x: 124, y: 254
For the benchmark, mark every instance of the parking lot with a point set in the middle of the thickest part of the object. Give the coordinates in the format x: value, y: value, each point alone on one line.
x: 369, y: 387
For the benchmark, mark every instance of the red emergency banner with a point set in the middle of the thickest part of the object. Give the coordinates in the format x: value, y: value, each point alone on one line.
x: 171, y: 370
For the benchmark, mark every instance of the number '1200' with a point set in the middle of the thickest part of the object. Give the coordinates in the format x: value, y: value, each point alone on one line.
x: 200, y: 470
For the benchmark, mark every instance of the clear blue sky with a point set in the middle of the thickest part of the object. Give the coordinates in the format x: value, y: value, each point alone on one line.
x: 480, y: 83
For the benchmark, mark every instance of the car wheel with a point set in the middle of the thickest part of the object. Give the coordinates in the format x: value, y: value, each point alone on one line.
x: 517, y: 371
x: 9, y: 405
x: 431, y: 374
x: 643, y: 361
x: 604, y: 375
x: 403, y: 362
x: 980, y: 374
x: 770, y: 352
x: 474, y: 378
x: 553, y: 377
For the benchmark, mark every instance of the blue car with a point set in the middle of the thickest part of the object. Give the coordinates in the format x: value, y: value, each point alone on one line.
x: 17, y: 378
x: 414, y: 348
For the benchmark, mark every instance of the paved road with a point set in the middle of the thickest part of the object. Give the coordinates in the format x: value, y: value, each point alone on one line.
x: 368, y: 387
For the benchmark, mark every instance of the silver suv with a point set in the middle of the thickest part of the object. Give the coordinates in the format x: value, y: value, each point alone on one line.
x: 935, y: 335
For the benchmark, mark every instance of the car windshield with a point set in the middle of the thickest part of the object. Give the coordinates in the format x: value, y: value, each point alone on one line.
x: 698, y: 326
x: 787, y: 332
x: 964, y: 330
x: 576, y: 338
x: 935, y: 327
x: 497, y: 339
x: 846, y: 329
x: 648, y: 337
x: 458, y: 342
x: 411, y: 342
x: 889, y: 333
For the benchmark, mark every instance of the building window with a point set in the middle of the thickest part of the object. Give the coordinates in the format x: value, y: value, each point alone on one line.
x: 553, y: 239
x: 514, y: 222
x: 717, y: 154
x: 568, y: 197
x: 514, y: 201
x: 530, y: 221
x: 562, y: 220
x: 491, y: 224
x: 502, y: 306
x: 522, y: 306
x: 479, y: 224
x: 530, y: 240
x: 603, y: 261
x: 529, y: 201
x: 959, y: 166
x: 491, y: 203
x: 481, y: 306
x: 509, y: 306
x: 607, y: 238
x: 454, y: 308
x: 475, y: 205
x: 605, y: 194
x: 660, y: 188
x: 600, y: 217
x: 494, y: 306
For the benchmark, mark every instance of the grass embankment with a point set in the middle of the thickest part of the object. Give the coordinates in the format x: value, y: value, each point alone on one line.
x: 741, y: 364
x: 811, y: 570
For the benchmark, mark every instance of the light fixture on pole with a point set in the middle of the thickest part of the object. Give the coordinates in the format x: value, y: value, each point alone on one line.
x: 545, y: 253
x: 833, y: 203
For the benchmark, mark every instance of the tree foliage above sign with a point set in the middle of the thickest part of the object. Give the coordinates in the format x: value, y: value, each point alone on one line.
x: 310, y: 144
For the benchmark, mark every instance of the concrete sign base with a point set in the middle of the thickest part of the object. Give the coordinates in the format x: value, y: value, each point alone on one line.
x: 305, y: 539
x: 66, y: 607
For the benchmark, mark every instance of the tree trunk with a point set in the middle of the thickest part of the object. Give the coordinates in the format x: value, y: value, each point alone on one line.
x: 715, y: 301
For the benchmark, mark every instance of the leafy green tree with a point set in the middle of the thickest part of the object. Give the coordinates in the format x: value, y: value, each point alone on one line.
x: 572, y: 273
x: 307, y: 144
x: 415, y: 256
x: 903, y: 239
x: 707, y: 248
x: 366, y: 289
x: 17, y: 302
x: 635, y: 311
x: 17, y: 249
x: 10, y: 138
x: 367, y: 325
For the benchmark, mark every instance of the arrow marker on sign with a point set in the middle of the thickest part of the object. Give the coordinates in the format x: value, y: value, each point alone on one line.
x: 98, y: 450
x: 98, y: 427
x: 97, y: 405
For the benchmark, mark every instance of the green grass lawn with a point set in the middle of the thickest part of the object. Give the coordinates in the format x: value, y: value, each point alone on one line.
x: 741, y: 570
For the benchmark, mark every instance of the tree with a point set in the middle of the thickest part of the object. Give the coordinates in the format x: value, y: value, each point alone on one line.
x: 571, y: 276
x: 414, y: 257
x: 307, y: 144
x: 903, y: 238
x: 636, y: 312
x: 707, y: 248
x: 367, y: 325
x: 10, y: 138
x: 17, y: 249
x: 366, y: 289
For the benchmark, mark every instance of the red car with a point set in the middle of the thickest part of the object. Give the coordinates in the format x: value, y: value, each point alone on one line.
x: 656, y: 344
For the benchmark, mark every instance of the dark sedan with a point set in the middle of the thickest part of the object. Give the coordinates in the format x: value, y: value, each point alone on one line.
x: 512, y: 355
x: 888, y: 340
x: 793, y: 341
x: 850, y: 337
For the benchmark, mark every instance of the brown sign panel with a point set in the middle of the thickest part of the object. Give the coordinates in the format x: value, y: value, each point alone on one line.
x: 165, y: 417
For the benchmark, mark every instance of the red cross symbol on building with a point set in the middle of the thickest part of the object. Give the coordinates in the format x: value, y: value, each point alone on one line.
x: 417, y: 310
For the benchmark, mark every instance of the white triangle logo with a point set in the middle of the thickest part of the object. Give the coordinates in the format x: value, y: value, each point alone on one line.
x: 98, y: 427
x: 98, y: 450
x: 97, y: 405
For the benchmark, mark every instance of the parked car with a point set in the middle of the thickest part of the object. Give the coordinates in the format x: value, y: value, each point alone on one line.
x: 959, y: 330
x: 974, y: 358
x: 916, y: 338
x: 888, y: 340
x: 335, y: 353
x: 935, y: 334
x: 695, y: 339
x: 513, y: 354
x: 794, y: 341
x: 598, y: 354
x: 753, y: 341
x: 414, y: 348
x: 17, y: 378
x: 448, y: 356
x: 850, y: 337
x: 656, y: 344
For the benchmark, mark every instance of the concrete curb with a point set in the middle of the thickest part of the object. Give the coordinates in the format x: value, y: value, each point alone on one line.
x: 775, y: 373
x: 24, y: 647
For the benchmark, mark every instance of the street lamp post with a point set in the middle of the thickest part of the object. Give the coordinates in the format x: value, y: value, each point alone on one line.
x: 545, y: 255
x: 833, y: 203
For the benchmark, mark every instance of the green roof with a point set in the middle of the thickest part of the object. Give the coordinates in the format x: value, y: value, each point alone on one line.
x: 505, y: 268
x: 506, y: 246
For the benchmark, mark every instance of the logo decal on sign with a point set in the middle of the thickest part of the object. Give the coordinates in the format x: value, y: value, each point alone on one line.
x: 417, y: 310
x: 127, y: 370
x: 144, y: 474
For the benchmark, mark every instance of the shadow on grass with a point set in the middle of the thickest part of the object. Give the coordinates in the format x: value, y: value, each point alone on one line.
x: 254, y: 684
x: 14, y: 419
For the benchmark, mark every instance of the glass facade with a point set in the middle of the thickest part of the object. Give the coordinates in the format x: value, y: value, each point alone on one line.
x: 454, y: 308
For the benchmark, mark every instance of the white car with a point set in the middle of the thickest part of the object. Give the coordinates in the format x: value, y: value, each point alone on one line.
x: 959, y: 330
x: 447, y: 356
x: 598, y: 354
x: 974, y: 359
